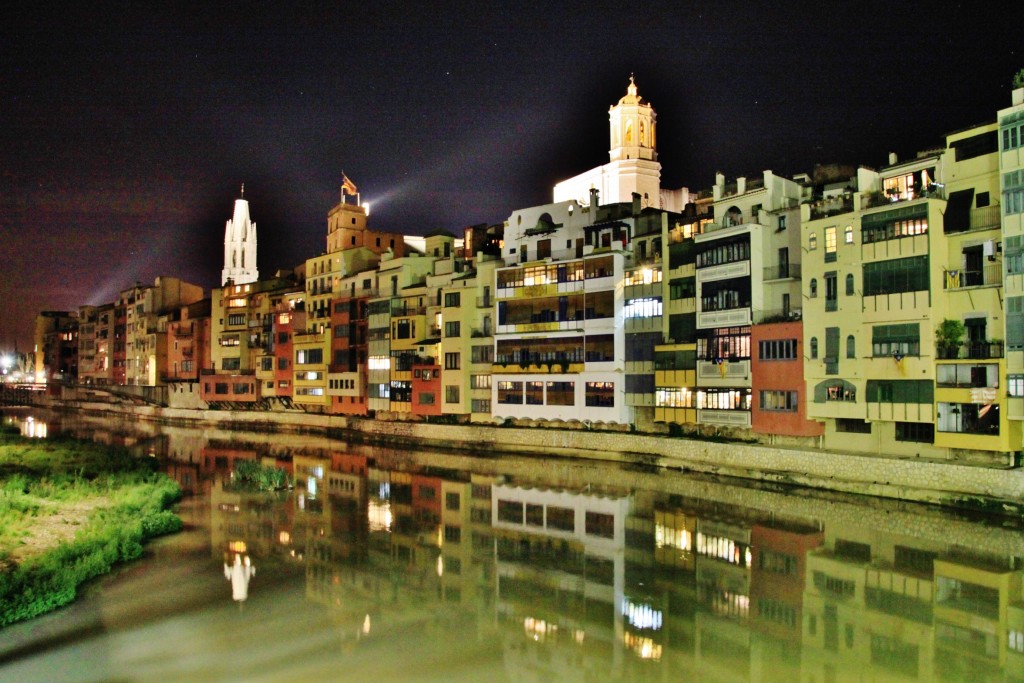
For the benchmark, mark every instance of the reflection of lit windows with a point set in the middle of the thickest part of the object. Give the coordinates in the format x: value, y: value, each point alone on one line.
x: 733, y: 552
x: 642, y: 647
x: 641, y: 616
x: 538, y: 629
x: 666, y: 536
x: 379, y: 515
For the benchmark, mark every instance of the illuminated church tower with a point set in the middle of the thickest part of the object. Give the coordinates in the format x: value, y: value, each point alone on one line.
x: 240, y: 246
x: 633, y: 166
x: 632, y: 128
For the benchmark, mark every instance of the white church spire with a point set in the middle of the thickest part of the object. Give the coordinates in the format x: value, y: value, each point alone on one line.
x: 240, y: 246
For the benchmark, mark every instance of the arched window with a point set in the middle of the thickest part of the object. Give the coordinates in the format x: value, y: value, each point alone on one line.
x: 848, y: 234
x: 814, y: 347
x: 851, y: 347
x: 849, y: 285
x: 629, y: 133
x: 814, y: 287
x: 643, y: 140
x: 812, y: 242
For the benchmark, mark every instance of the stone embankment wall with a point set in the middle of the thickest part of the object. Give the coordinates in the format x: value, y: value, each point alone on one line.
x: 905, y: 479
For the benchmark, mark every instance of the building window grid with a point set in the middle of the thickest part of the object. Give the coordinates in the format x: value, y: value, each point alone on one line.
x: 778, y: 400
x: 777, y: 349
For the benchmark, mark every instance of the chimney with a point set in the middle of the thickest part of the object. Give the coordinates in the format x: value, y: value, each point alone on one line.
x: 892, y: 158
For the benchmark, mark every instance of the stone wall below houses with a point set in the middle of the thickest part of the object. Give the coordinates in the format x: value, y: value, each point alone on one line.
x: 986, y: 488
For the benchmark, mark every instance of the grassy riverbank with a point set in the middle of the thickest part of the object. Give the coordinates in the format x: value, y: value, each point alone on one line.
x: 69, y: 511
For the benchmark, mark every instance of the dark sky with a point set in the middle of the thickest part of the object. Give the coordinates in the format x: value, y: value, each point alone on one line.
x: 127, y: 131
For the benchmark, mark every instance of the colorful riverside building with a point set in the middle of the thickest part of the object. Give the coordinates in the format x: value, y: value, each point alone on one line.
x: 188, y: 342
x: 56, y: 347
x: 906, y: 250
x: 242, y: 318
x: 96, y: 344
x: 581, y: 292
x: 330, y: 357
x: 146, y: 308
x: 747, y: 272
x: 1011, y: 196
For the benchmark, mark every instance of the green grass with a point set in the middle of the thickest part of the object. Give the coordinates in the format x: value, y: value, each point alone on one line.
x: 125, y: 503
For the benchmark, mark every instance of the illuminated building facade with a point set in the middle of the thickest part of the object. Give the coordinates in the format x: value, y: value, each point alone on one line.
x: 96, y: 344
x: 239, y: 246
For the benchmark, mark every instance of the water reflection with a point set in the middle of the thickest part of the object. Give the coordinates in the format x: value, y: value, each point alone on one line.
x: 552, y: 571
x: 239, y: 573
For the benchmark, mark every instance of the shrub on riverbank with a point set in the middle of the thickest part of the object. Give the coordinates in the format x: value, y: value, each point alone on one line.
x: 116, y: 501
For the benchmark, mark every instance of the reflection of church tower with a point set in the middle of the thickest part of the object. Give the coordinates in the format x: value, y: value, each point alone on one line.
x: 632, y: 128
x: 240, y: 246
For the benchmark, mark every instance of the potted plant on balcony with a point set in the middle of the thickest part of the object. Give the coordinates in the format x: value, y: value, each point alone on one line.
x: 948, y: 337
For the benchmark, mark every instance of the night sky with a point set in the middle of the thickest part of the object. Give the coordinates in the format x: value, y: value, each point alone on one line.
x: 127, y: 131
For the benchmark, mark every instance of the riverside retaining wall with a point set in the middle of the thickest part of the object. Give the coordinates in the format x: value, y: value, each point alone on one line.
x: 992, y: 489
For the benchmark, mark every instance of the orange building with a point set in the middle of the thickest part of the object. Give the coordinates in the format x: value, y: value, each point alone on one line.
x: 777, y: 381
x: 778, y: 575
x: 347, y: 370
x: 188, y: 343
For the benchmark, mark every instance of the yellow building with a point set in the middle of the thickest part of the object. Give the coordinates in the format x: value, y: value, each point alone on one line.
x: 1011, y: 198
x: 889, y: 256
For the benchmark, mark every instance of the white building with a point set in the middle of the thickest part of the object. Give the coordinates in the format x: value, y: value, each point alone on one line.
x: 240, y: 246
x: 633, y: 165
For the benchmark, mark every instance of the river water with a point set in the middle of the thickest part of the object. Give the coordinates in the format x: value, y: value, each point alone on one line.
x: 397, y: 565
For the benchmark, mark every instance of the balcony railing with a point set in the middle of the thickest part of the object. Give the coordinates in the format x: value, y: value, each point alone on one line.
x: 873, y: 199
x: 831, y: 304
x: 407, y: 310
x: 833, y: 206
x: 971, y: 351
x: 484, y: 302
x: 777, y: 315
x: 990, y: 274
x: 986, y: 217
x: 782, y: 272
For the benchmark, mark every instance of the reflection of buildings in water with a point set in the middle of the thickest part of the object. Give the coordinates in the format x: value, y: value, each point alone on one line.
x: 239, y: 572
x: 897, y: 607
x: 258, y: 524
x: 560, y: 582
x: 428, y: 540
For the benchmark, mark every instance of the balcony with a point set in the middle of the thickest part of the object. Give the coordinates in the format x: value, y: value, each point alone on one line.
x: 871, y: 200
x: 398, y: 311
x: 783, y: 272
x: 977, y: 350
x: 831, y: 305
x: 777, y: 315
x: 832, y: 206
x: 986, y: 217
x: 484, y: 302
x: 990, y: 274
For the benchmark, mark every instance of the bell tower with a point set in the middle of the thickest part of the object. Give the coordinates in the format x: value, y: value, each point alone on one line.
x: 632, y: 128
x: 240, y: 246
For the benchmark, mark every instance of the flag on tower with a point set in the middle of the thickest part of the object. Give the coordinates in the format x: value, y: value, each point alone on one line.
x: 347, y: 186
